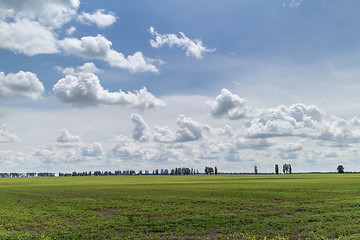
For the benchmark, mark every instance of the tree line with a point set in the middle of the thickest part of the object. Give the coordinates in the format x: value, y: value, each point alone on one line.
x: 32, y: 174
x: 287, y: 169
x: 175, y: 171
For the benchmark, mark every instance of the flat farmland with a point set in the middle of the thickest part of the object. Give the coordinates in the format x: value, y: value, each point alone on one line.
x: 297, y: 206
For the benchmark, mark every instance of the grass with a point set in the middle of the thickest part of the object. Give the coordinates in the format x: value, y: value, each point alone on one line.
x: 323, y: 206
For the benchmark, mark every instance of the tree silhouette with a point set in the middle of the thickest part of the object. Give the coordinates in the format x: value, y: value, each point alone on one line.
x: 340, y: 169
x: 276, y: 169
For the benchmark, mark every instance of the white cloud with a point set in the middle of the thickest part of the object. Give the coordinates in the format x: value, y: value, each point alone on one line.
x: 99, y: 18
x: 52, y: 13
x: 27, y: 26
x: 191, y: 143
x: 27, y: 37
x: 228, y: 105
x: 141, y: 131
x: 147, y: 154
x: 66, y: 137
x: 82, y: 88
x: 189, y: 130
x: 71, y: 30
x: 297, y: 120
x: 164, y: 134
x: 6, y: 136
x: 292, y: 3
x: 193, y: 47
x: 289, y: 147
x: 100, y: 48
x: 125, y: 148
x: 94, y: 150
x: 68, y: 148
x: 21, y: 83
x: 30, y: 28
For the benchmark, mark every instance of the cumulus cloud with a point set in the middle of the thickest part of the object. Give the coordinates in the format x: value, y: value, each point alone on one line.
x: 282, y: 131
x: 27, y: 37
x: 125, y: 149
x: 81, y: 87
x: 141, y: 131
x: 302, y: 121
x: 193, y: 48
x: 128, y: 150
x: 53, y: 13
x: 68, y: 148
x: 100, y: 48
x: 164, y: 134
x: 193, y: 143
x: 99, y: 18
x: 6, y: 136
x: 94, y: 150
x: 189, y: 130
x: 296, y: 120
x: 28, y: 26
x: 21, y: 83
x: 66, y: 137
x: 228, y: 105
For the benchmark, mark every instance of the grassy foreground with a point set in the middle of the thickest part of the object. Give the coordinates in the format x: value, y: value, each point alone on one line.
x: 181, y: 207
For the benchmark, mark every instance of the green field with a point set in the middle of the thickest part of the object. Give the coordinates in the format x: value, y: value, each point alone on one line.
x: 323, y: 206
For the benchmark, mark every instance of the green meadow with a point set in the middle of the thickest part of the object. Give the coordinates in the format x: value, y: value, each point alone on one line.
x: 308, y: 206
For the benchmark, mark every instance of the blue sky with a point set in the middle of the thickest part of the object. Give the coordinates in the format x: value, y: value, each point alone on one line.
x: 108, y: 85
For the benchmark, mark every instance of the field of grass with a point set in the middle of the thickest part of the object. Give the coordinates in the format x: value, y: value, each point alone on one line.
x: 323, y: 206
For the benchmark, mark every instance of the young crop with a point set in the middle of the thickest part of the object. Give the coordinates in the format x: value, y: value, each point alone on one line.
x: 249, y: 207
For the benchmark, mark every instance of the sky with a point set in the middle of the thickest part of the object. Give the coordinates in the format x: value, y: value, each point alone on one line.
x: 145, y: 85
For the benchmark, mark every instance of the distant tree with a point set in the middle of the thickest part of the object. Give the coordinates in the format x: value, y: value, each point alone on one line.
x: 185, y: 171
x: 209, y: 170
x: 255, y: 169
x: 340, y: 169
x: 290, y: 169
x: 276, y: 169
x: 287, y: 168
x: 216, y: 172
